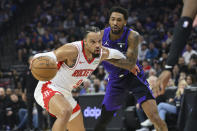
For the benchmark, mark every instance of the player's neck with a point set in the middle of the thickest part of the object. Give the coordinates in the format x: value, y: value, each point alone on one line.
x: 114, y: 37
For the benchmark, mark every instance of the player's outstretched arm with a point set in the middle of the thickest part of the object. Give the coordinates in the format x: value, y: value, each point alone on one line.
x: 115, y: 55
x: 111, y: 54
x: 66, y: 52
x: 63, y: 53
x: 131, y: 54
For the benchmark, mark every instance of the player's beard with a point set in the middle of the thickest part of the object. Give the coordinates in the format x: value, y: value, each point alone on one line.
x: 116, y: 32
x: 94, y: 55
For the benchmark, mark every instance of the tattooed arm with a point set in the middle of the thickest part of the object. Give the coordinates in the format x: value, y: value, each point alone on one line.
x: 131, y: 54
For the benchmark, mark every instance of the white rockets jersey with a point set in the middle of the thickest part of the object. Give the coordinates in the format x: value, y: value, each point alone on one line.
x: 69, y: 78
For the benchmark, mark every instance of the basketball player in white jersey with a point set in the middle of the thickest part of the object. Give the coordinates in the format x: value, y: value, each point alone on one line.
x: 76, y: 61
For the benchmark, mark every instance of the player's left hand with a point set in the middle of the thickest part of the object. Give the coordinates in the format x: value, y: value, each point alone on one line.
x: 135, y: 70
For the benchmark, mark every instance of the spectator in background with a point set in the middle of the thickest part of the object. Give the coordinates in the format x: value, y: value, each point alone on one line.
x: 87, y: 87
x: 17, y: 79
x: 62, y: 38
x: 142, y: 51
x: 12, y: 117
x: 69, y: 21
x: 47, y: 37
x: 8, y: 91
x: 188, y: 53
x: 149, y: 24
x: 171, y: 84
x: 98, y: 87
x: 157, y: 67
x: 191, y: 68
x: 27, y: 49
x: 164, y: 49
x: 152, y: 51
x: 169, y: 38
x: 152, y: 81
x: 191, y: 80
x: 146, y: 67
x: 56, y: 42
x: 20, y: 45
x: 174, y: 104
x: 4, y: 102
x: 92, y: 77
x: 181, y: 64
x: 182, y: 76
x: 39, y: 45
x: 40, y: 29
x: 100, y: 73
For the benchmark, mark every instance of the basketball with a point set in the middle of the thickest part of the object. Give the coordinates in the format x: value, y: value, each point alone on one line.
x: 44, y: 68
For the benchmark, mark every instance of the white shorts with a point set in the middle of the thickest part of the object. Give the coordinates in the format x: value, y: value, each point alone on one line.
x: 45, y: 90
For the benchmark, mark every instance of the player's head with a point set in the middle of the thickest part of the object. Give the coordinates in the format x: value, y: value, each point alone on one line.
x: 92, y: 40
x: 117, y: 19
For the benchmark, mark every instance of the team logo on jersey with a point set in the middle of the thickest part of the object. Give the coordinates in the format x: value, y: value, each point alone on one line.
x: 121, y: 44
x: 46, y: 93
x: 106, y: 43
x: 82, y: 72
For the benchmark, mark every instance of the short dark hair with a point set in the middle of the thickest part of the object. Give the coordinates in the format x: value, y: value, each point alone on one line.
x: 119, y: 10
x: 90, y: 29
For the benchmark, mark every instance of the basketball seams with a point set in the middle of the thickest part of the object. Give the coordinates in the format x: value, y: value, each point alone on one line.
x: 48, y: 62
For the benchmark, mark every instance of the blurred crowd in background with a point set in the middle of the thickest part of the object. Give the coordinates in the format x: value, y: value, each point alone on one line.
x: 59, y: 22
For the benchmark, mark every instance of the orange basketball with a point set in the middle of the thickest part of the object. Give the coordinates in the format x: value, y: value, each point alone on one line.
x: 44, y: 68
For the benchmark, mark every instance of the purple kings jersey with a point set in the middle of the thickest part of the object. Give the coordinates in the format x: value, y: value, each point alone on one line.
x: 122, y: 45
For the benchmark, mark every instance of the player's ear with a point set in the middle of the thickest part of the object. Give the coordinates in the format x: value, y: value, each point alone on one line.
x: 85, y: 40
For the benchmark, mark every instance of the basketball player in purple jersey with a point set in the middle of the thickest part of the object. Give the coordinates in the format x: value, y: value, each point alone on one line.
x: 119, y: 37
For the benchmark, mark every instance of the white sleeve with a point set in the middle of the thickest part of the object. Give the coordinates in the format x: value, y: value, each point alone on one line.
x: 115, y: 54
x: 50, y: 54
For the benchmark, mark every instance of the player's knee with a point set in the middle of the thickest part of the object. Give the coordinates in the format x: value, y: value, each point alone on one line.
x: 65, y: 113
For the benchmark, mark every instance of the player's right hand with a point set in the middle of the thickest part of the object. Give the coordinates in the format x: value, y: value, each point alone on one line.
x: 135, y: 70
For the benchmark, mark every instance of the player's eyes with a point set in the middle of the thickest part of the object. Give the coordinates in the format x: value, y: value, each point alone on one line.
x: 112, y: 19
x: 92, y: 42
x: 119, y: 20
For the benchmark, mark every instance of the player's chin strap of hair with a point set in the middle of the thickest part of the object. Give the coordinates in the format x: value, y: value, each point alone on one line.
x: 115, y: 54
x: 50, y: 54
